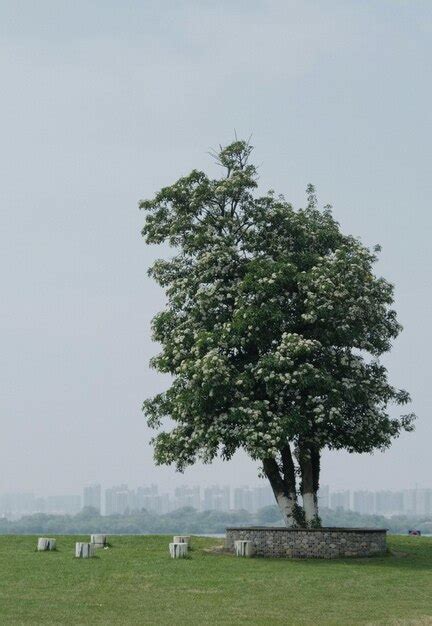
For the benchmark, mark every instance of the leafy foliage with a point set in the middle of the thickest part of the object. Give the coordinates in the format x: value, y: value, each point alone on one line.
x: 273, y: 327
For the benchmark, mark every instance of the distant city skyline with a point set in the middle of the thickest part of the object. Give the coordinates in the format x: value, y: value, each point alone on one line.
x: 121, y: 499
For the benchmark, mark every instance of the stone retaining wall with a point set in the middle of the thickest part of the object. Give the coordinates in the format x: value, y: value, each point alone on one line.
x: 318, y: 543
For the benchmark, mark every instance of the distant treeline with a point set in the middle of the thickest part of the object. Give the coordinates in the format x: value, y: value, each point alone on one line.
x: 188, y: 520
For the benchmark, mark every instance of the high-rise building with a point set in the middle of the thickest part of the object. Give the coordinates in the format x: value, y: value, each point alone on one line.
x: 424, y: 501
x: 16, y: 504
x: 147, y: 499
x: 216, y: 498
x: 397, y: 502
x: 92, y: 497
x: 324, y: 497
x: 388, y: 502
x: 187, y: 497
x: 340, y: 500
x: 117, y: 500
x: 262, y: 496
x: 410, y: 501
x: 148, y: 490
x: 364, y: 502
x: 243, y: 499
x: 383, y: 502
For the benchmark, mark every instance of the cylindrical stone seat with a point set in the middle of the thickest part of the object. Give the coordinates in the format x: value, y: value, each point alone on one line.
x: 45, y: 543
x: 99, y: 541
x: 178, y: 550
x: 181, y: 539
x: 244, y: 548
x: 84, y: 550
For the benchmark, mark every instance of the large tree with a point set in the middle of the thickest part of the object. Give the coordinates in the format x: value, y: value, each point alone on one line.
x: 272, y: 332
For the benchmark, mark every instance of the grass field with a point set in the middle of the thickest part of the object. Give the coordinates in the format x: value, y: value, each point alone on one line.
x: 135, y: 582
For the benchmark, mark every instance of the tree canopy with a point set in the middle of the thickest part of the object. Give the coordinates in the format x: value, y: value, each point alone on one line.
x: 272, y: 332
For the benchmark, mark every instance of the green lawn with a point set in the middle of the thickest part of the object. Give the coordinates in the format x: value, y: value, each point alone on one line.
x: 135, y: 582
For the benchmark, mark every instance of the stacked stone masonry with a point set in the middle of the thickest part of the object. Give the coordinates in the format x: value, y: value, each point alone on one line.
x: 318, y: 543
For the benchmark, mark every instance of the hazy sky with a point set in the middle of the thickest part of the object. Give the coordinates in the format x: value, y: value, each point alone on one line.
x: 103, y: 102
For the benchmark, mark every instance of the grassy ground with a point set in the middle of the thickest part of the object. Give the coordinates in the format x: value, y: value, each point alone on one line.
x: 135, y: 582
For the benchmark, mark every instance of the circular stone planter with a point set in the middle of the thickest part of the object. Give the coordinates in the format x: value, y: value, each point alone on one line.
x: 316, y: 543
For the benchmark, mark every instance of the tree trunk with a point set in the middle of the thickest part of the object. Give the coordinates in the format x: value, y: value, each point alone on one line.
x: 285, y: 498
x: 316, y: 467
x: 289, y: 474
x: 308, y: 458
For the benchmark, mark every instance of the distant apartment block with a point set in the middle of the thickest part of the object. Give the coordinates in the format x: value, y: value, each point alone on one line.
x: 252, y: 498
x: 187, y: 497
x: 324, y: 497
x: 216, y: 498
x: 92, y: 496
x: 148, y: 499
x: 17, y: 504
x: 364, y: 502
x: 388, y: 502
x: 117, y: 500
x: 424, y: 502
x: 340, y: 500
x: 242, y: 499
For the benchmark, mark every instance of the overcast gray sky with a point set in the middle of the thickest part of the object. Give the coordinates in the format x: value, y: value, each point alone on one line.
x: 103, y: 102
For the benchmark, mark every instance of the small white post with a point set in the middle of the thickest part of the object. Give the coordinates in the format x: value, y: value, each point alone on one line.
x: 178, y: 550
x: 84, y: 550
x: 181, y: 539
x: 99, y: 541
x: 244, y: 548
x: 46, y: 544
